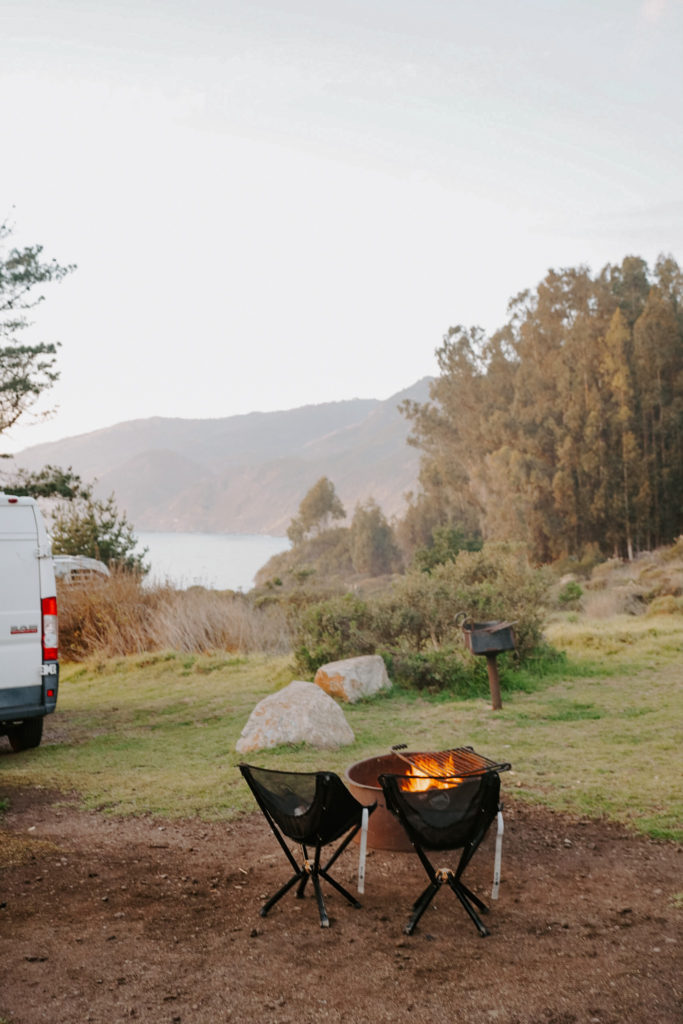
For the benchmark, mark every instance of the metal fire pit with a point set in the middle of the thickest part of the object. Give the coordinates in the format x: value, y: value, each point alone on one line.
x: 385, y: 831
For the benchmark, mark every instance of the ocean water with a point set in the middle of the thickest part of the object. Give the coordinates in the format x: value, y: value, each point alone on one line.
x: 223, y: 561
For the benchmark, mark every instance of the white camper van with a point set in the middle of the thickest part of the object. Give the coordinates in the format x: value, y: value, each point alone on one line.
x: 29, y: 669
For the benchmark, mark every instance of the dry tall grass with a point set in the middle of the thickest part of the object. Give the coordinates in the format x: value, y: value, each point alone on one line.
x: 652, y: 582
x: 119, y: 616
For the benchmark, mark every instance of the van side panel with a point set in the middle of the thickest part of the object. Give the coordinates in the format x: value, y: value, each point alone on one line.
x: 26, y: 576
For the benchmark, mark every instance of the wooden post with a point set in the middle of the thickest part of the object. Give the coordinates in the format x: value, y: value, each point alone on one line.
x: 494, y: 683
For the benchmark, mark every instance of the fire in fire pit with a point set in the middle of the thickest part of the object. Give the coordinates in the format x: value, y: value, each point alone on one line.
x: 426, y: 770
x: 449, y: 765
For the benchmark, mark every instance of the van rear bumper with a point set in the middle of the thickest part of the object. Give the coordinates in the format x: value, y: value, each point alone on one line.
x: 20, y: 702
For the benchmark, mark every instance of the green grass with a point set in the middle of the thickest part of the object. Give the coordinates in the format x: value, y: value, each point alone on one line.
x: 600, y: 736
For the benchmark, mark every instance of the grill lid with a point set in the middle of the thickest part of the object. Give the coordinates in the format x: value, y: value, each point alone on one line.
x: 445, y: 764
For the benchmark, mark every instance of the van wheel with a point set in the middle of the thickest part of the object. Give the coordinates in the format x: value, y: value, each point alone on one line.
x: 26, y: 735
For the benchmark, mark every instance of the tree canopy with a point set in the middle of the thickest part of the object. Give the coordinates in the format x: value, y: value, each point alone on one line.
x: 48, y: 482
x: 318, y: 508
x: 564, y: 428
x: 373, y: 549
x: 26, y: 370
x: 96, y: 528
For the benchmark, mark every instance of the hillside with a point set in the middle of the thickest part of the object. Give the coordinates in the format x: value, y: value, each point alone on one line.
x: 244, y: 474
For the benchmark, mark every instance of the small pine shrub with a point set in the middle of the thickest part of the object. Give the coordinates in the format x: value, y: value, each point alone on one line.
x: 571, y: 594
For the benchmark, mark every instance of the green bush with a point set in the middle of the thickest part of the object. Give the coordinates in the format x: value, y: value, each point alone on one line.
x: 444, y: 671
x: 340, y: 627
x: 496, y: 583
x: 415, y: 622
x: 571, y: 593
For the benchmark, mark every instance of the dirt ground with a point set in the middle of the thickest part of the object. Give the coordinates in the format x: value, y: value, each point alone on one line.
x: 141, y: 920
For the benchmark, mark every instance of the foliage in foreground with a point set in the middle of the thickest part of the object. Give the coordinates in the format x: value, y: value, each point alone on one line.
x: 414, y: 624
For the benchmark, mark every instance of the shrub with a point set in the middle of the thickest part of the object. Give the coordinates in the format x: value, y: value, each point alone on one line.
x: 443, y: 671
x: 445, y: 545
x: 674, y: 552
x: 666, y: 605
x: 340, y: 627
x: 417, y: 616
x: 570, y: 594
x: 496, y: 583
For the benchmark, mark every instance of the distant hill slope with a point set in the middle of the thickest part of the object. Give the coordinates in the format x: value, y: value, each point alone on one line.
x: 244, y: 474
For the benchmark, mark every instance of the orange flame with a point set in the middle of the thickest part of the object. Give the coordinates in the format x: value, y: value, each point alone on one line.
x: 418, y: 780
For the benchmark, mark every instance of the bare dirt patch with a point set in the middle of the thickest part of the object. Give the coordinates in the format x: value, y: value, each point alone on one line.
x: 109, y: 920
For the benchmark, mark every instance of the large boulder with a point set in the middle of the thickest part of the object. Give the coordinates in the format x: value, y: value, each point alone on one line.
x: 353, y: 678
x: 300, y: 713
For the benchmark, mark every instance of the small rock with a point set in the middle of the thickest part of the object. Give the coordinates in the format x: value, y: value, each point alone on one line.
x: 354, y: 678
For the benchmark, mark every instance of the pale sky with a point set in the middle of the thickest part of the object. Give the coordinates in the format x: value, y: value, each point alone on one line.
x: 281, y: 202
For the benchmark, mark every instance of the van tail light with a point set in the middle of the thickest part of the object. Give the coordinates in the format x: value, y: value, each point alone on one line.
x: 50, y: 630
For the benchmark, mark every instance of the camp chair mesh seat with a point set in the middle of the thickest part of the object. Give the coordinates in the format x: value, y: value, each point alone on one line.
x: 445, y: 817
x: 313, y: 809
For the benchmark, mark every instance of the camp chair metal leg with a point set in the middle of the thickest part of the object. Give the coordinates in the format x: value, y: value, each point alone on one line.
x: 302, y: 885
x: 426, y: 864
x: 280, y: 893
x: 420, y: 905
x: 474, y: 899
x: 457, y: 889
x: 324, y: 919
x: 340, y: 888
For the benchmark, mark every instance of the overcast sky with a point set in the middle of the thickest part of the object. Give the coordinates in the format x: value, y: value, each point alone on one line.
x: 280, y: 202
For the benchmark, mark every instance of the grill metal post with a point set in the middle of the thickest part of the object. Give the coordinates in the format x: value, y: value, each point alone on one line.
x: 494, y: 681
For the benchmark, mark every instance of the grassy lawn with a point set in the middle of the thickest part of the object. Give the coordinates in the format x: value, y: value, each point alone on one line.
x: 156, y: 734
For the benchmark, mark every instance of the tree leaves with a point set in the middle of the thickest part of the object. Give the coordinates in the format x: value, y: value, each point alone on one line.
x: 565, y: 428
x: 26, y: 370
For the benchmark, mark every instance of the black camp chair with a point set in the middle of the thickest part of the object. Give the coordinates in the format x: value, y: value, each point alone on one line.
x: 445, y: 817
x: 312, y: 809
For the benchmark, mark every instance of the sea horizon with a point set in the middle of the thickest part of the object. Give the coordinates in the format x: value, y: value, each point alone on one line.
x: 218, y: 561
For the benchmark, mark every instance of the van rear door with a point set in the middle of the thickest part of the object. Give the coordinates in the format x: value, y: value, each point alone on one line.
x: 21, y: 653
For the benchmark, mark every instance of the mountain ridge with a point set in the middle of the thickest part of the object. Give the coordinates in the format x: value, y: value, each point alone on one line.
x: 244, y: 473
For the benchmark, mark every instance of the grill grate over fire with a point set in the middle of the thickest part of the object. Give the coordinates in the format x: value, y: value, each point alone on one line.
x: 455, y: 764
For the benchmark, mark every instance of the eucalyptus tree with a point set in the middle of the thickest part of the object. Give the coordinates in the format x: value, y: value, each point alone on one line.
x: 564, y: 429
